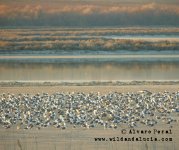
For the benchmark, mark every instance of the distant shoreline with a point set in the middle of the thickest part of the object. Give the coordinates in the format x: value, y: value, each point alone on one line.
x: 89, y: 39
x: 89, y: 56
x: 85, y: 83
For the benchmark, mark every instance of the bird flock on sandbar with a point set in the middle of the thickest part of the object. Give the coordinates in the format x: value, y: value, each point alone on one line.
x: 88, y: 110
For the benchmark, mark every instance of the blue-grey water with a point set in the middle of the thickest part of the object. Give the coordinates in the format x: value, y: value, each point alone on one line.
x: 86, y: 52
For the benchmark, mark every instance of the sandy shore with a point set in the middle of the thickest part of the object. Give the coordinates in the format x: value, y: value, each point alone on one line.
x: 87, y: 89
x: 80, y: 138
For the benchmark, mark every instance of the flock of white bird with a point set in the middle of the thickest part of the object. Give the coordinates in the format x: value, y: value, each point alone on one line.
x: 91, y: 110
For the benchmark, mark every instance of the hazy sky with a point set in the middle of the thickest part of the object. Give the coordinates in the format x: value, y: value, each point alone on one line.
x: 89, y: 12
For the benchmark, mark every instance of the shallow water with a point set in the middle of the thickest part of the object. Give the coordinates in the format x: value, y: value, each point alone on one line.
x: 90, y: 68
x: 145, y: 37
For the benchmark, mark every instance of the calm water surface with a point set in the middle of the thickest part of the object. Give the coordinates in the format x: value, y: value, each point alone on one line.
x: 88, y: 68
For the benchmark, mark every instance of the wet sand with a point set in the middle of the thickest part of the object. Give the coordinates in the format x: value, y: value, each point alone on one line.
x: 80, y: 138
